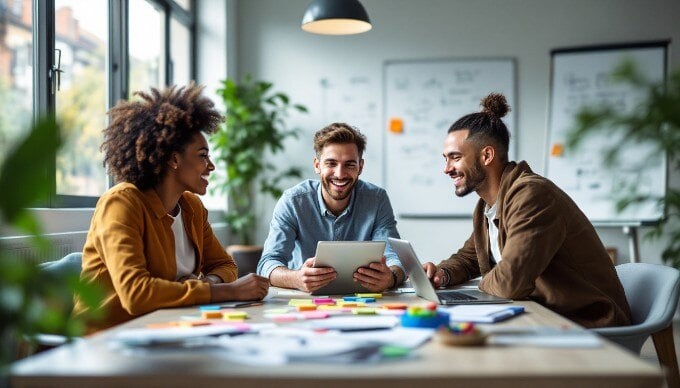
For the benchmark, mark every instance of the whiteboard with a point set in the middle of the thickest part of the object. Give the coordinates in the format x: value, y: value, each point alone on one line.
x: 581, y: 77
x: 428, y: 96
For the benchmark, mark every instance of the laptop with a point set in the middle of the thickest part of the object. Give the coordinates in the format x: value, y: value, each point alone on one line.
x: 424, y: 287
x: 346, y: 257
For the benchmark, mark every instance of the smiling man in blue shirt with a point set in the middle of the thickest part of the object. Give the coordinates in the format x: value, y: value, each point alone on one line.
x: 337, y: 207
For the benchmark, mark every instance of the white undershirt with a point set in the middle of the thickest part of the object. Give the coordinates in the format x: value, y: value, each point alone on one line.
x: 185, y: 255
x: 490, y: 214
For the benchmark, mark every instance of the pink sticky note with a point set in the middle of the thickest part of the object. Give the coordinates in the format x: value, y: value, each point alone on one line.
x: 324, y: 301
x: 315, y: 314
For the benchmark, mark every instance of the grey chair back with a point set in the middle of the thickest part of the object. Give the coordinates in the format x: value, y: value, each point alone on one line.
x: 69, y: 264
x: 652, y: 293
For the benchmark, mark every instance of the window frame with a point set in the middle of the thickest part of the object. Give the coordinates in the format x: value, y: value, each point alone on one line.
x: 118, y: 66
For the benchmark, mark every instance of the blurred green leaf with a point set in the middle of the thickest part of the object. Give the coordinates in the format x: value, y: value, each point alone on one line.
x: 655, y: 121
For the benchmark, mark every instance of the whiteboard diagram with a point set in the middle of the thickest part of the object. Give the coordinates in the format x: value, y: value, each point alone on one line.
x: 427, y: 96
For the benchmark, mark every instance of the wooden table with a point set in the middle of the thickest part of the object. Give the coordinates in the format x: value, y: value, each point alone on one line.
x: 93, y: 363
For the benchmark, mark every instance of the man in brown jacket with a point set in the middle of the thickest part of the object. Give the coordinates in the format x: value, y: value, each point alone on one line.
x: 530, y: 240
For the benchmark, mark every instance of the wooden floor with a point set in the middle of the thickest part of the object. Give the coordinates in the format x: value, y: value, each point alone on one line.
x: 648, y: 353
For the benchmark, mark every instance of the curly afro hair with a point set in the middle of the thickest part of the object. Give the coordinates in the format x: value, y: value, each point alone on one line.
x: 142, y: 135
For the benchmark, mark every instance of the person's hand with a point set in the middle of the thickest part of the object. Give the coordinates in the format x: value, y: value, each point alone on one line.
x: 248, y: 287
x: 376, y: 277
x: 438, y: 277
x: 188, y: 277
x: 310, y: 279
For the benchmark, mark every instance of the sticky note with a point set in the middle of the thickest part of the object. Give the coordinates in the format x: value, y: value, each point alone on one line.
x: 363, y: 311
x: 396, y: 125
x: 370, y: 295
x: 211, y: 307
x: 394, y: 306
x: 365, y: 300
x: 306, y: 307
x: 211, y: 314
x: 229, y: 315
x: 350, y: 298
x: 318, y: 301
x: 557, y: 149
x: 284, y: 318
x: 315, y: 315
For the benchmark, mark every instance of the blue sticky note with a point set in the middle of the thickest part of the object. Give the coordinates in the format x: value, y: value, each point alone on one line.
x: 212, y: 307
x: 350, y: 298
x: 365, y: 300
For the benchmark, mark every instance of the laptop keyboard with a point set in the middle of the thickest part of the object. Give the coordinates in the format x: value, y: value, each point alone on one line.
x: 453, y: 295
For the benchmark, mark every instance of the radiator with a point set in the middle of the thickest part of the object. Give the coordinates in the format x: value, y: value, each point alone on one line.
x: 61, y: 244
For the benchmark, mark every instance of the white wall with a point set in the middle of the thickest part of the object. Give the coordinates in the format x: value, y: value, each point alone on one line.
x: 272, y: 46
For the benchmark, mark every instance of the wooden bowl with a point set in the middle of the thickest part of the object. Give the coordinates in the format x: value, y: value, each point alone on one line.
x: 446, y: 337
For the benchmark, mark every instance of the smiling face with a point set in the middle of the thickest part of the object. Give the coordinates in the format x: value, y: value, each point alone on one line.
x: 194, y: 165
x: 339, y: 167
x: 463, y: 163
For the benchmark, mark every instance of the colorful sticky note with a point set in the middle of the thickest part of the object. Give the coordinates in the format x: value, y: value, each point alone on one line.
x: 210, y: 307
x: 396, y: 125
x: 228, y: 315
x: 318, y: 301
x: 363, y: 311
x: 394, y: 306
x: 306, y: 307
x: 211, y: 314
x: 557, y: 149
x: 370, y: 295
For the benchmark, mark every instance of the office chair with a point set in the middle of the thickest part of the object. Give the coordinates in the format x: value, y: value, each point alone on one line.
x: 652, y: 293
x: 69, y: 264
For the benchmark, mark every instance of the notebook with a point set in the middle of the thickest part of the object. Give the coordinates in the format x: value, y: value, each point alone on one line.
x: 424, y: 287
x: 346, y: 257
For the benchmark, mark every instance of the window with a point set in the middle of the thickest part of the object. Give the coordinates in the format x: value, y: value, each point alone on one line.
x: 81, y: 35
x: 147, y: 66
x: 16, y: 71
x: 180, y: 54
x: 93, y: 62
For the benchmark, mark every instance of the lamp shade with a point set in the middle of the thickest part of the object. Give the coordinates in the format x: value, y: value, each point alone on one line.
x: 336, y: 17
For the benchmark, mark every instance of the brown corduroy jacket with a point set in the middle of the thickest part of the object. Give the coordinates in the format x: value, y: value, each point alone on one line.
x: 130, y: 255
x: 550, y: 253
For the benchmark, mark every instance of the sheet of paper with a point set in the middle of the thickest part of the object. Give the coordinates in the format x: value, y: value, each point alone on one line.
x: 543, y: 336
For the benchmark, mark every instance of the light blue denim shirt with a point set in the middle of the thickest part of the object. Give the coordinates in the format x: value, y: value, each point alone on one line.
x: 301, y: 219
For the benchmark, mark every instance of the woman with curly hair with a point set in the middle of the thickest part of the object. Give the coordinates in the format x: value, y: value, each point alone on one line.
x: 150, y: 245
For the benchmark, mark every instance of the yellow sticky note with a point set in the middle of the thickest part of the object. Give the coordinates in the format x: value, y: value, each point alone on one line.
x: 369, y: 295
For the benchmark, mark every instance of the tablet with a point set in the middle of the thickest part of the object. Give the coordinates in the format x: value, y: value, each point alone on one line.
x: 345, y: 257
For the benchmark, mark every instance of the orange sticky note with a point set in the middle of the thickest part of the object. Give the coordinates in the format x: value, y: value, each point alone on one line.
x: 211, y: 314
x: 396, y: 125
x: 557, y: 149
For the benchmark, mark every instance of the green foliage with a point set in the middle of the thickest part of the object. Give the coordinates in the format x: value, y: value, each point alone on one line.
x: 655, y: 121
x: 33, y: 301
x: 255, y: 122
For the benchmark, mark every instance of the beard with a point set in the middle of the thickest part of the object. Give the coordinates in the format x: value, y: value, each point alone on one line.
x: 338, y: 196
x: 474, y: 178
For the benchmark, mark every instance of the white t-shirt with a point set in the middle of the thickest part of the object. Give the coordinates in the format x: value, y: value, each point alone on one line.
x: 490, y: 214
x: 184, y: 249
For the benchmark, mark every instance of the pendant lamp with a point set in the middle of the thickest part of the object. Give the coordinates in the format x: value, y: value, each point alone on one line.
x: 336, y: 17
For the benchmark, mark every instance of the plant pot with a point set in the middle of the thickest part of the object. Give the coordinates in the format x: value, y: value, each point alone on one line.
x: 246, y: 257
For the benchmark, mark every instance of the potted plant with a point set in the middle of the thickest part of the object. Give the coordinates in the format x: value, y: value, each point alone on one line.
x: 32, y: 300
x: 255, y: 123
x: 655, y: 121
